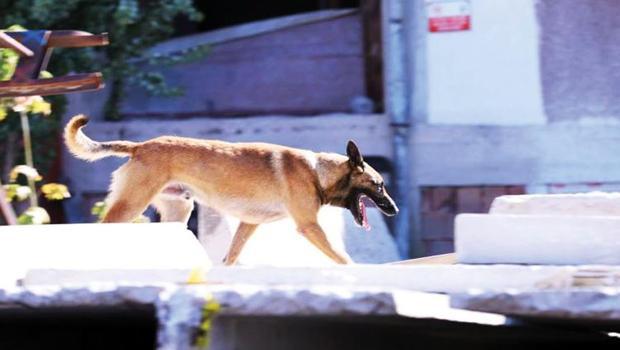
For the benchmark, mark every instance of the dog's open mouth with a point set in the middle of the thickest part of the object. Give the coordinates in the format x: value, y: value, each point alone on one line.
x: 358, y: 209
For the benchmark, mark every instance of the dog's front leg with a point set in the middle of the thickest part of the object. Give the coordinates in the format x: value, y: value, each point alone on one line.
x: 244, y: 231
x: 314, y: 233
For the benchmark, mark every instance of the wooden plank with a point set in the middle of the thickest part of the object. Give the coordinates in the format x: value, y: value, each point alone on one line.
x: 29, y: 68
x: 7, y: 41
x: 53, y: 86
x: 75, y: 38
x: 441, y: 259
x: 7, y: 211
x: 373, y: 50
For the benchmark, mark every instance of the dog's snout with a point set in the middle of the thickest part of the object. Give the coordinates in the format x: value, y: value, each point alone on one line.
x: 395, y: 209
x: 392, y: 210
x: 388, y: 208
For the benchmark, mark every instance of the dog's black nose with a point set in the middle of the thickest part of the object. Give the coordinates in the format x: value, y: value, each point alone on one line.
x: 396, y: 210
x: 393, y: 210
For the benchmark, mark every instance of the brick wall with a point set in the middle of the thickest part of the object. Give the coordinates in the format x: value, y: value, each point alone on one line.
x: 441, y: 204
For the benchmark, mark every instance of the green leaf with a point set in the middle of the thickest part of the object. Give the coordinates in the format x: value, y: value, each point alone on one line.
x: 40, y: 107
x: 16, y: 191
x: 45, y: 75
x: 98, y: 210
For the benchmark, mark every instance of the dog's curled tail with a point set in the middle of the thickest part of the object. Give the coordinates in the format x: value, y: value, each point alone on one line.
x: 85, y: 148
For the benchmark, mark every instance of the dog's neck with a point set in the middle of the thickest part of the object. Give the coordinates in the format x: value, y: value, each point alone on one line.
x: 333, y: 172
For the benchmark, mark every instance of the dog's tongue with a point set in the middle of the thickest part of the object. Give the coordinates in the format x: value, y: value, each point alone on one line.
x: 365, y: 223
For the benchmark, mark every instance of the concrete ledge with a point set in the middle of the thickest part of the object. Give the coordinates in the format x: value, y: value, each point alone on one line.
x: 537, y: 239
x: 245, y: 30
x: 581, y: 204
x: 354, y: 291
x: 429, y: 278
x: 83, y: 253
x: 593, y: 305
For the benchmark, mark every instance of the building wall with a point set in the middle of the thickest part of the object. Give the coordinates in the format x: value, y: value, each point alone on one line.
x: 528, y: 98
x: 523, y: 62
x: 546, y: 64
x: 490, y: 74
x: 580, y: 46
x: 304, y: 68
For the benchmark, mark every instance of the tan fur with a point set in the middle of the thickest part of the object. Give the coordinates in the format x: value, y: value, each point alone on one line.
x: 255, y: 182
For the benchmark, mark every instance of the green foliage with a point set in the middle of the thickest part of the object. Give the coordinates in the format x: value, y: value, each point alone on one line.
x: 133, y: 26
x: 25, y: 107
x: 17, y: 192
x: 99, y: 210
x: 34, y: 216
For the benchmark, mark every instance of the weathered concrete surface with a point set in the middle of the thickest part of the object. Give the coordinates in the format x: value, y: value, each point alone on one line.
x: 245, y: 30
x: 578, y: 47
x: 580, y: 204
x: 537, y: 239
x: 358, y: 291
x: 304, y: 68
x: 422, y: 278
x: 179, y: 309
x: 562, y: 153
x: 571, y: 304
x: 489, y: 75
x: 279, y: 243
x: 99, y: 252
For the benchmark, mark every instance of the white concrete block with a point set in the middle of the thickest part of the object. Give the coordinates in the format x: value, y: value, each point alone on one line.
x: 279, y: 244
x: 164, y: 252
x: 591, y: 204
x: 537, y: 239
x: 422, y: 278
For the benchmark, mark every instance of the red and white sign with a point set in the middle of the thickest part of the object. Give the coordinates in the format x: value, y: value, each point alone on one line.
x: 448, y: 15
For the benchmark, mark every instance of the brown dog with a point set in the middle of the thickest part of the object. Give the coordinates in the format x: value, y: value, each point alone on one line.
x: 255, y: 182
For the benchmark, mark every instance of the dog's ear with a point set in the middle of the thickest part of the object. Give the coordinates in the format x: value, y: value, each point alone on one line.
x: 355, y: 157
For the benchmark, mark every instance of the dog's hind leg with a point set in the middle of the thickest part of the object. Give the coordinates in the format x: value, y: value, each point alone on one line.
x: 244, y: 231
x: 131, y: 191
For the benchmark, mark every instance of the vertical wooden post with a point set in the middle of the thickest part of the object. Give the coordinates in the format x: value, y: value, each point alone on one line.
x: 373, y: 51
x: 7, y: 210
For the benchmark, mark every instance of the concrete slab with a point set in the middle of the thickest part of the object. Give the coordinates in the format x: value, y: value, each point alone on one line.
x: 421, y: 278
x: 592, y: 305
x: 537, y: 239
x: 99, y: 252
x: 570, y: 204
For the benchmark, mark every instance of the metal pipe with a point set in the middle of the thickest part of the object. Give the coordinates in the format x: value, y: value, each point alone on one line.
x: 397, y: 109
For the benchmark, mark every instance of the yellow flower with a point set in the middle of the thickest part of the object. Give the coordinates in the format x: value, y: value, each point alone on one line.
x: 55, y: 191
x: 32, y: 104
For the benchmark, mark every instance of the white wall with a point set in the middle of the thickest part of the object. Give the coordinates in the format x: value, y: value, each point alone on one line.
x: 489, y: 75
